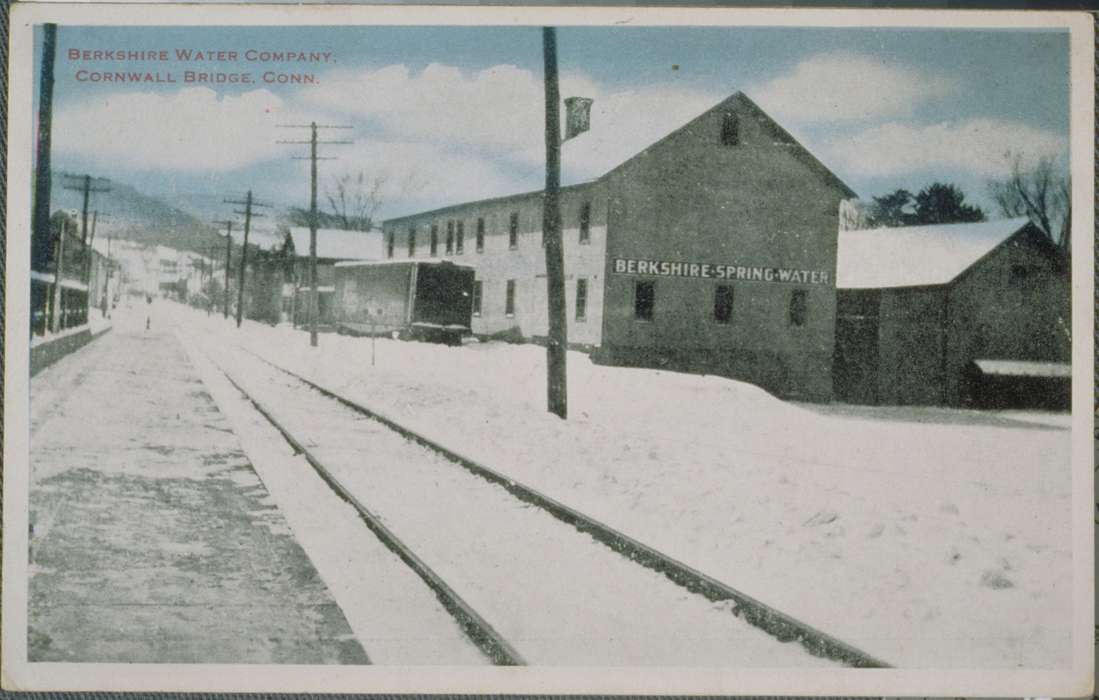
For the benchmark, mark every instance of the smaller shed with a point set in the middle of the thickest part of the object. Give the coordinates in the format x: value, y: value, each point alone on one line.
x: 333, y: 246
x: 954, y: 314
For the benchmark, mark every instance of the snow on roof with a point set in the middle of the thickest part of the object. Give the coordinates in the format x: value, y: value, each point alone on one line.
x: 618, y: 131
x: 1024, y: 368
x: 915, y: 256
x: 334, y: 243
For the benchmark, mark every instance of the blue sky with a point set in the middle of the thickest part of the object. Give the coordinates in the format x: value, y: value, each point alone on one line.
x: 448, y: 114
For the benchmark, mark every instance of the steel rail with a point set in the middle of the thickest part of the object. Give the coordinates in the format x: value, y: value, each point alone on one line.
x: 757, y: 613
x: 479, y: 631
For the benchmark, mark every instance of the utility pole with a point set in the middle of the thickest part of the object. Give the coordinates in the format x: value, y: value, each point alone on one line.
x: 313, y: 158
x: 208, y: 280
x: 228, y: 261
x: 87, y: 185
x: 55, y: 320
x: 91, y: 248
x: 557, y: 345
x: 42, y: 241
x: 248, y: 203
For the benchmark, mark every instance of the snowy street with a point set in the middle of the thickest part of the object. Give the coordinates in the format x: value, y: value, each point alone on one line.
x: 910, y: 534
x: 152, y: 538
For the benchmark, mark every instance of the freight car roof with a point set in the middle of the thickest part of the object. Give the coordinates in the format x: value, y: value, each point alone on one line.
x: 917, y: 256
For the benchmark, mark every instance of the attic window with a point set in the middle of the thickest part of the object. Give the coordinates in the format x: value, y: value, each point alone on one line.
x: 730, y: 129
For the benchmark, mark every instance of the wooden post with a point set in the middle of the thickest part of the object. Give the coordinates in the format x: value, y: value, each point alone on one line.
x: 56, y: 320
x: 314, y: 305
x: 228, y: 265
x: 243, y: 257
x: 557, y: 345
x: 42, y: 240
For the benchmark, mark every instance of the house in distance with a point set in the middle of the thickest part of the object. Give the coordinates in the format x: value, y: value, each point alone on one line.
x: 333, y: 245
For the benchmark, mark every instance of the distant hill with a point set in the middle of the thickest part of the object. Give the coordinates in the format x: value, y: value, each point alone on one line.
x: 137, y: 217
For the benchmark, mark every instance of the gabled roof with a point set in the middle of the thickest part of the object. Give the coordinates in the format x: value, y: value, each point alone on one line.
x: 608, y: 146
x: 917, y: 256
x: 337, y: 244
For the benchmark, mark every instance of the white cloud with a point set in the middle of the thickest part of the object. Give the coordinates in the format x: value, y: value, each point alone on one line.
x: 192, y: 130
x: 501, y: 106
x: 847, y: 86
x: 977, y: 146
x: 471, y: 127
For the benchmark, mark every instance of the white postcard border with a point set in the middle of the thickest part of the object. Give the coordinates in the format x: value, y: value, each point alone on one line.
x: 18, y: 674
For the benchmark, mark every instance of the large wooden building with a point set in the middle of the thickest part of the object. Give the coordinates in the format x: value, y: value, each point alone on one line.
x: 711, y: 250
x: 961, y: 314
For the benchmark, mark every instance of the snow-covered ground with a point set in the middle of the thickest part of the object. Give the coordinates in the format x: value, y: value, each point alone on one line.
x: 557, y: 596
x: 931, y: 538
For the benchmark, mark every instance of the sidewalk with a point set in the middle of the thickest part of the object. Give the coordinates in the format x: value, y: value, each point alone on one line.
x: 152, y: 538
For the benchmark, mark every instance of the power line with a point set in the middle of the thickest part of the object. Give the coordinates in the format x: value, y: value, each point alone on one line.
x: 87, y: 185
x: 313, y: 158
x: 228, y: 261
x: 248, y: 203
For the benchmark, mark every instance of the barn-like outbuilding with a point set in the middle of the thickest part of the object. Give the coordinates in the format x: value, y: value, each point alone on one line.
x: 957, y: 314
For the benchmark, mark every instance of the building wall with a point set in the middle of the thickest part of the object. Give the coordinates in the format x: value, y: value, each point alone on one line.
x: 757, y: 203
x: 911, y: 343
x: 525, y: 263
x: 999, y: 314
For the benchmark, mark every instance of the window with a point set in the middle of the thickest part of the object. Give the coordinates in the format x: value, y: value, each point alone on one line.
x: 477, y: 297
x: 460, y: 242
x: 481, y: 235
x: 723, y: 303
x: 513, y: 230
x: 434, y: 240
x: 644, y: 298
x: 449, y: 237
x: 581, y: 299
x: 411, y: 241
x: 509, y: 299
x: 1019, y: 275
x: 389, y: 245
x: 799, y: 307
x: 730, y: 129
x: 585, y: 222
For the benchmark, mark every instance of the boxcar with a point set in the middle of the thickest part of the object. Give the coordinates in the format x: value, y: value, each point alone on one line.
x: 422, y: 300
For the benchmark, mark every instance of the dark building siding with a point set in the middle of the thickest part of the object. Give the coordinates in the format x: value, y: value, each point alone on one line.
x: 900, y: 346
x: 910, y: 342
x: 998, y: 314
x: 757, y: 203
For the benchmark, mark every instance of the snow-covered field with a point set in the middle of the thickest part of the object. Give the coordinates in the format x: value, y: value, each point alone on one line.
x: 928, y: 538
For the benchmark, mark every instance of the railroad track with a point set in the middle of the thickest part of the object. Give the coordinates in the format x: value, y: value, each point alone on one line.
x: 295, y: 388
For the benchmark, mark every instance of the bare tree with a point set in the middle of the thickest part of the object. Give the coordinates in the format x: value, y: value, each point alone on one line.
x: 1040, y: 191
x: 356, y: 199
